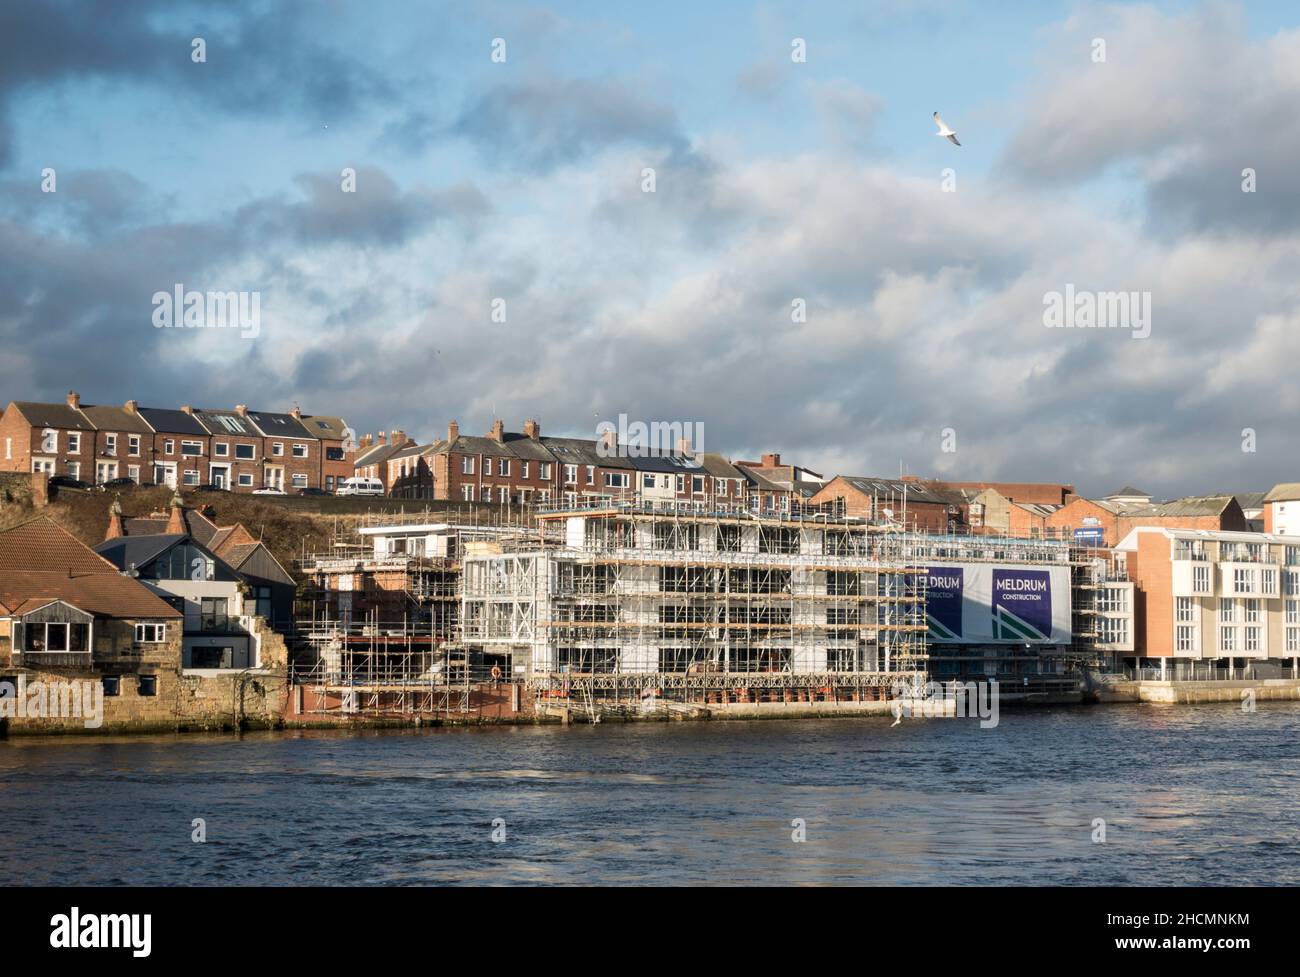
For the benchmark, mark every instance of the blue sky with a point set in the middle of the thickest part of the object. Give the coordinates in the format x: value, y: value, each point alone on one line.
x: 776, y: 181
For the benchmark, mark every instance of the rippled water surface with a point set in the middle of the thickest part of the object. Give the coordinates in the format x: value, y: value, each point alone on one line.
x: 1190, y: 795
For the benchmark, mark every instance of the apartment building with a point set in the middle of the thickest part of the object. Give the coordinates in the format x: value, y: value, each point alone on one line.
x: 1224, y: 599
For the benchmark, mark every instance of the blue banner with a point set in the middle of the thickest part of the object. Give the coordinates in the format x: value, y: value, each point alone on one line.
x: 1022, y: 605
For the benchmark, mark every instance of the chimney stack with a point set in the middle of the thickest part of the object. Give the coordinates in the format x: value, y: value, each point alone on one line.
x: 771, y: 461
x: 453, y: 431
x: 176, y: 520
x: 381, y: 437
x: 498, y: 432
x: 187, y: 409
x: 610, y: 438
x: 399, y: 438
x: 115, y: 526
x: 532, y: 429
x: 241, y: 410
x: 365, y: 442
x: 132, y: 406
x: 296, y: 413
x: 74, y: 399
x: 683, y: 446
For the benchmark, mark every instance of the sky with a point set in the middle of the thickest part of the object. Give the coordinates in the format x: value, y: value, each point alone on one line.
x: 444, y: 211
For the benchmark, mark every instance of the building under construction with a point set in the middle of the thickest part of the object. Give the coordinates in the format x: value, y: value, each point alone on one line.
x: 377, y: 620
x: 621, y: 606
x: 614, y: 606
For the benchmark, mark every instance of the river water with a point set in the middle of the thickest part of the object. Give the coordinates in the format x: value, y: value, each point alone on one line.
x: 1189, y: 795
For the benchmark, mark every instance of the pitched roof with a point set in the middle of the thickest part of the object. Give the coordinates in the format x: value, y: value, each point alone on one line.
x: 1283, y: 492
x: 198, y: 525
x: 226, y: 422
x: 376, y: 454
x: 108, y: 418
x: 1250, y: 500
x: 894, y: 488
x: 41, y: 561
x: 137, y: 551
x: 102, y: 594
x: 53, y: 415
x: 1206, y: 505
x: 324, y: 426
x: 240, y: 552
x: 280, y: 425
x: 1127, y: 491
x: 42, y: 545
x: 166, y: 421
x: 582, y: 451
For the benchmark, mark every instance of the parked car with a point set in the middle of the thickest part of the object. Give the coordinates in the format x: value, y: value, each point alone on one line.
x: 361, y: 486
x: 312, y: 491
x: 63, y: 481
x: 268, y: 491
x: 113, y: 484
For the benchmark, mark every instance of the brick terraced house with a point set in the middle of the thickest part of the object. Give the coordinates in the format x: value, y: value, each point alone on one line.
x: 238, y: 449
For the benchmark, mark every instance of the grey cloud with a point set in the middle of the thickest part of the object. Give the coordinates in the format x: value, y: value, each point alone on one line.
x: 257, y: 62
x: 545, y: 123
x: 1186, y: 103
x: 377, y: 212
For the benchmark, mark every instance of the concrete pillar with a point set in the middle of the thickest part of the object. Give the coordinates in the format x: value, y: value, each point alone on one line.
x: 1163, y: 668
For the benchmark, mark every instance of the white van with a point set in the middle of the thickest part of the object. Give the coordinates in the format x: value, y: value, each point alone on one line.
x: 360, y: 486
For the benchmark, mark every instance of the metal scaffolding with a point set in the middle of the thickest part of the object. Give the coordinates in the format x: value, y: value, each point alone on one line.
x: 627, y: 604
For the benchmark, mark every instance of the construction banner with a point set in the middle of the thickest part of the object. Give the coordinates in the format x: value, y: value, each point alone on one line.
x: 985, y: 603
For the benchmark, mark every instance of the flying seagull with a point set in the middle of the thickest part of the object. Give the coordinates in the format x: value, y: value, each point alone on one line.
x: 944, y: 130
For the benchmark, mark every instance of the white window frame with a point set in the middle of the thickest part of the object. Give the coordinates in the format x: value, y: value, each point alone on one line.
x: 150, y: 634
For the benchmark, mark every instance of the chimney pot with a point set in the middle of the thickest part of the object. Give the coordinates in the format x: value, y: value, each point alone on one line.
x: 74, y: 399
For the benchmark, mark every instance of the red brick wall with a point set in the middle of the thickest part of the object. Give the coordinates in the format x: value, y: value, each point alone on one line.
x: 1152, y: 573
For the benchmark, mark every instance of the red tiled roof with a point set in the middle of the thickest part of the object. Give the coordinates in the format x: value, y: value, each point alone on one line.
x: 101, y: 594
x: 41, y: 544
